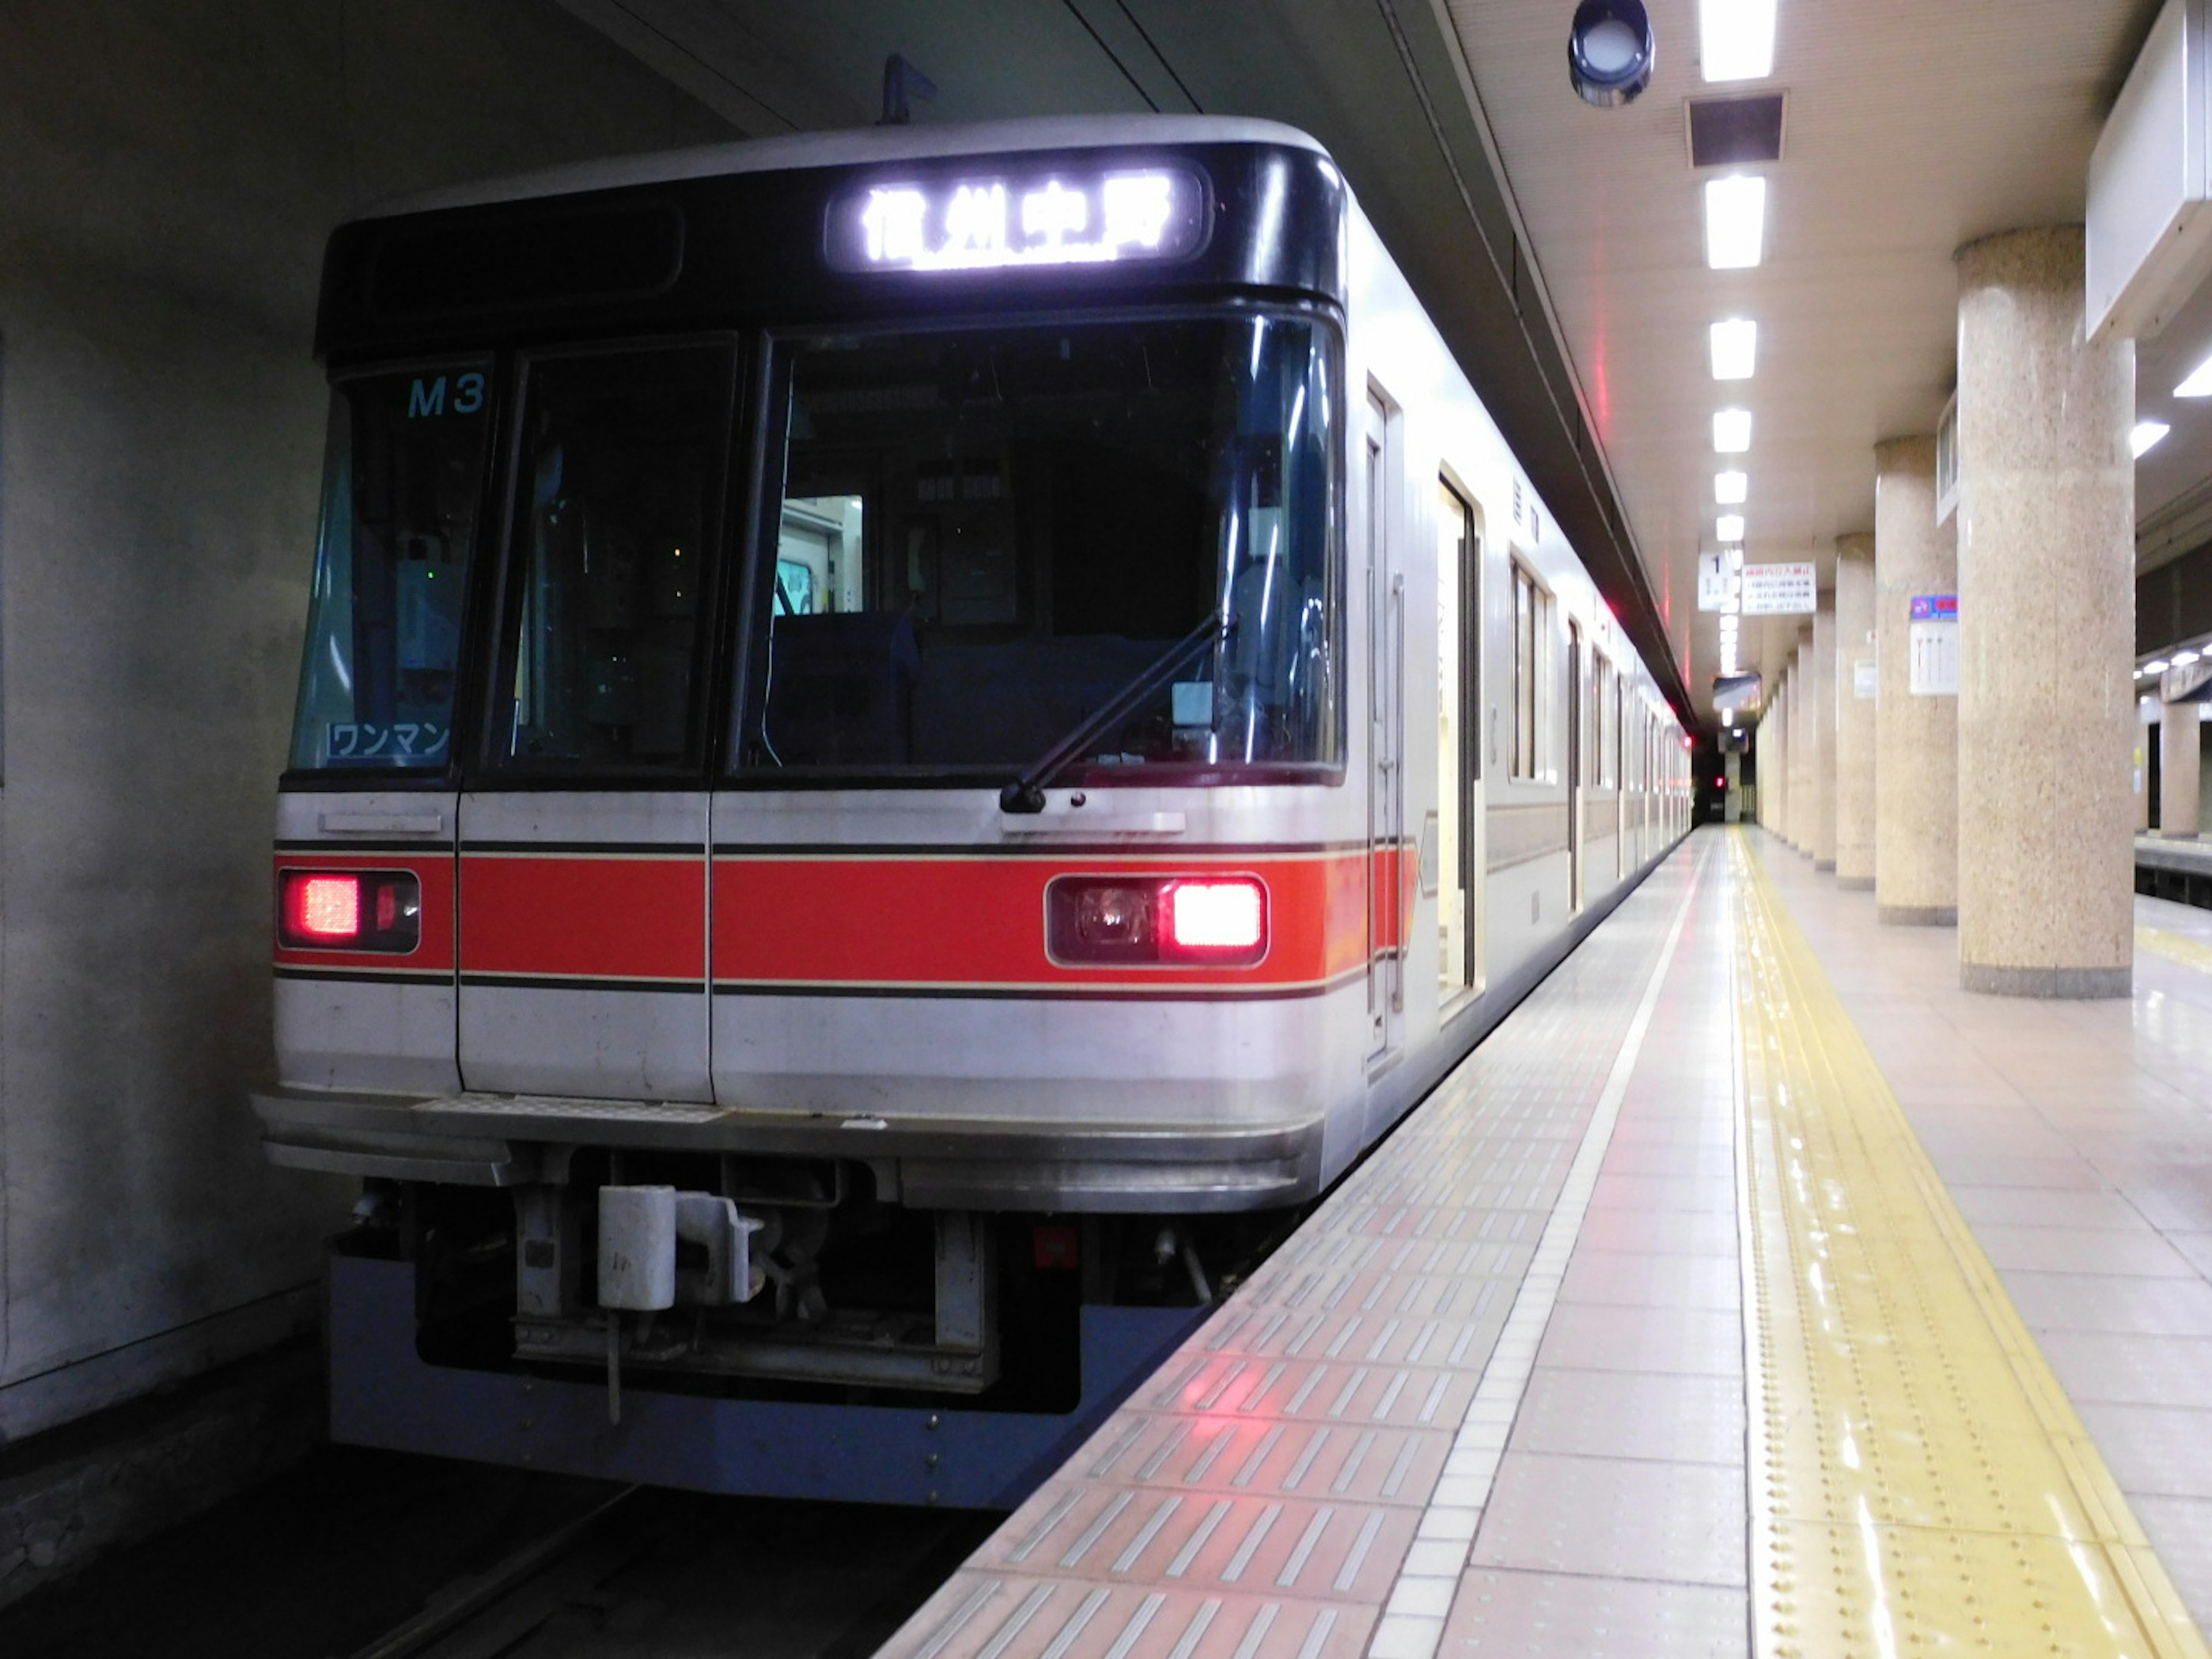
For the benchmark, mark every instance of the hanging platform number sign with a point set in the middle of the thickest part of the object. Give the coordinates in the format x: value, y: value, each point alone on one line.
x: 1933, y: 638
x: 1716, y: 582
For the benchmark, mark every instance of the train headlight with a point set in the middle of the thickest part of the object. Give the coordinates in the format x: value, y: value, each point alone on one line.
x: 1610, y: 49
x: 1119, y: 916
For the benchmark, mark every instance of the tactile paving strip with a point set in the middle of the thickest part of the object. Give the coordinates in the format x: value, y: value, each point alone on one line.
x: 1280, y: 1480
x: 2175, y: 947
x: 1920, y: 1485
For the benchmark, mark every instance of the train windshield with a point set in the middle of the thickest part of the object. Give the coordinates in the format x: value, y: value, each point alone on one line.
x: 403, y: 481
x: 982, y: 536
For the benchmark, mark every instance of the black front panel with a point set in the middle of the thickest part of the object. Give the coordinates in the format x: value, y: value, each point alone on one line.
x: 720, y: 251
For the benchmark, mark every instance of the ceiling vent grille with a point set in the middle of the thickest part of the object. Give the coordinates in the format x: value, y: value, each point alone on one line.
x: 1727, y: 132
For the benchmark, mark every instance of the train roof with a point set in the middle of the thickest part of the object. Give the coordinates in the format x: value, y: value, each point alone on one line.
x: 799, y: 151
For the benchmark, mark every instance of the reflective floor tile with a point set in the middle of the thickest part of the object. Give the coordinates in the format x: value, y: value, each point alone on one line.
x: 1671, y: 1159
x: 1644, y: 1279
x: 1681, y: 1522
x: 2097, y: 1302
x: 2180, y: 1529
x: 1540, y: 1615
x: 2153, y: 1449
x: 1702, y: 1232
x: 1667, y: 1416
x: 2042, y: 1206
x: 1996, y: 1169
x: 2108, y: 1368
x: 1584, y: 1337
x: 2140, y: 1252
x: 2195, y: 1248
x: 1618, y: 1191
x: 2175, y: 1200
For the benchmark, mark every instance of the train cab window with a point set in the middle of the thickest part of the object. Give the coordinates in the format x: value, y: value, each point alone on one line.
x: 617, y: 478
x: 982, y: 536
x: 401, y: 487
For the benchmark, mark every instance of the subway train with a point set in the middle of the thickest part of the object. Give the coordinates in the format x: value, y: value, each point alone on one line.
x: 908, y: 742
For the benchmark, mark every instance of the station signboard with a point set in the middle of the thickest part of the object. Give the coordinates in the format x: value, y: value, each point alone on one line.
x: 1780, y: 590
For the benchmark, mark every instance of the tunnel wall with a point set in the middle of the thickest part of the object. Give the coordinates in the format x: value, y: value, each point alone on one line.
x: 168, y: 171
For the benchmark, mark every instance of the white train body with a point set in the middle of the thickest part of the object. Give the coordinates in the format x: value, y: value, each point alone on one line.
x: 759, y: 911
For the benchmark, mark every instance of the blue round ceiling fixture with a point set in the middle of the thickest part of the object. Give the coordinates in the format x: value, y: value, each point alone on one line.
x: 1610, y: 49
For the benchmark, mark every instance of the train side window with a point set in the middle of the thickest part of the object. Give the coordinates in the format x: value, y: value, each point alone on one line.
x: 1532, y: 633
x: 617, y: 480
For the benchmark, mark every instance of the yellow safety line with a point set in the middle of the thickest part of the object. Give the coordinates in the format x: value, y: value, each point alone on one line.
x: 2175, y: 947
x: 1919, y: 1484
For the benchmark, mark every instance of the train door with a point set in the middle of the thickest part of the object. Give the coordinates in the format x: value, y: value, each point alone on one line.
x: 1577, y: 757
x: 1459, y: 751
x: 1386, y: 723
x: 583, y: 848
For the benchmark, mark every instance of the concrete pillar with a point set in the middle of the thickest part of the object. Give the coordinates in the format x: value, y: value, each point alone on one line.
x: 1779, y: 719
x: 1916, y: 739
x: 1821, y: 718
x: 2139, y: 757
x: 1854, y: 714
x: 1774, y: 762
x: 1801, y: 748
x: 2177, y: 771
x: 2046, y: 606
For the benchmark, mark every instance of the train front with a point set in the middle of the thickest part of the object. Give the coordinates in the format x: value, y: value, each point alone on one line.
x: 814, y: 886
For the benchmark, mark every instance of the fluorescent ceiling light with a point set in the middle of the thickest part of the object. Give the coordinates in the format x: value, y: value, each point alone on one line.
x: 2182, y: 658
x: 2156, y: 665
x: 1736, y: 221
x: 2146, y: 436
x: 1736, y: 349
x: 2199, y: 383
x: 1735, y: 40
x: 1731, y: 431
x: 1729, y: 488
x: 1729, y: 526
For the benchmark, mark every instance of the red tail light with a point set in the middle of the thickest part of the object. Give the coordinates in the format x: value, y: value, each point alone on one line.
x: 1213, y: 916
x: 349, y: 910
x: 325, y: 910
x: 1166, y: 920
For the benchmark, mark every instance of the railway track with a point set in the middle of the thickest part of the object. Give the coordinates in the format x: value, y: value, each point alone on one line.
x: 650, y: 1571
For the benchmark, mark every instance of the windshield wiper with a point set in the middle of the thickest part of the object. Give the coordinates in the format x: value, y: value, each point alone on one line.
x: 1026, y: 792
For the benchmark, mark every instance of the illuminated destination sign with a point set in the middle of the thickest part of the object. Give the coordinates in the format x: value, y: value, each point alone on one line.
x: 985, y: 223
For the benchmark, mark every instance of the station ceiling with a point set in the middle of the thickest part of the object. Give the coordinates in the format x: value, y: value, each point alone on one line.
x: 1560, y: 245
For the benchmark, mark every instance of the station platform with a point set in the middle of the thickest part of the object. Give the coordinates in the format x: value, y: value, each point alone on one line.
x: 1752, y: 1289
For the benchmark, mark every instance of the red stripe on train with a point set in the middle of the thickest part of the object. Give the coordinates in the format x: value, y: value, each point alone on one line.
x: 981, y: 921
x: 608, y: 918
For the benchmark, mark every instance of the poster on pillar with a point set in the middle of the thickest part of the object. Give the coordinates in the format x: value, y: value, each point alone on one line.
x: 1780, y: 590
x: 1866, y: 679
x: 1933, y: 639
